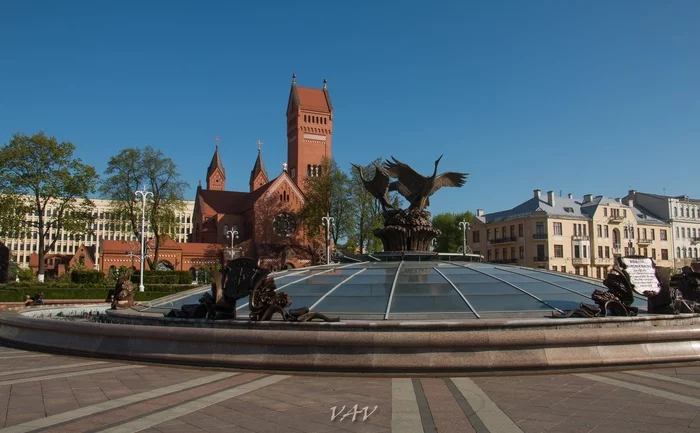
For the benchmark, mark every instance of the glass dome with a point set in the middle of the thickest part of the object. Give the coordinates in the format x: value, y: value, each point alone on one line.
x: 423, y: 290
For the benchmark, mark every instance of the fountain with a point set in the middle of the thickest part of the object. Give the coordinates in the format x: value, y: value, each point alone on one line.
x: 404, y: 311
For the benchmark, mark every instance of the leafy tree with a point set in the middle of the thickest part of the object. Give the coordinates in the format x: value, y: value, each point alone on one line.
x: 134, y: 169
x: 39, y: 175
x: 327, y: 194
x: 450, y: 239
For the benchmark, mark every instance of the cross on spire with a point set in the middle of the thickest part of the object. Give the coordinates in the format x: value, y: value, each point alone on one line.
x: 259, y: 143
x: 217, y: 141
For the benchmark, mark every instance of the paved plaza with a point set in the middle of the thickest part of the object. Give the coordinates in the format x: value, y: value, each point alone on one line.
x: 52, y: 393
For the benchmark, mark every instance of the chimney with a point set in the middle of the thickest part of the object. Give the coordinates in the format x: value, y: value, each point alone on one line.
x: 632, y: 193
x: 571, y: 196
x: 479, y: 212
x: 587, y: 198
x: 550, y: 198
x: 630, y: 202
x: 537, y: 193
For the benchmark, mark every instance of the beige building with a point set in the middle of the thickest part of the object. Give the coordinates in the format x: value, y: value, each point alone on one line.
x: 568, y: 235
x: 105, y: 227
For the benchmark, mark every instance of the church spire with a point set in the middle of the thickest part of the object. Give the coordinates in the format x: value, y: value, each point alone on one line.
x: 216, y: 174
x: 258, y: 176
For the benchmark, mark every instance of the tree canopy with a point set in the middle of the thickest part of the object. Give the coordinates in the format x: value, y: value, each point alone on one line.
x: 450, y: 239
x: 39, y: 175
x: 134, y: 169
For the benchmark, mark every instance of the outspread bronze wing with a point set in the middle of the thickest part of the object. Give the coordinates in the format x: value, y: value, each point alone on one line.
x: 406, y: 175
x: 449, y: 178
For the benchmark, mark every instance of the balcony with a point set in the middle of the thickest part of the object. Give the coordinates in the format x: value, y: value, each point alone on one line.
x: 540, y: 236
x: 581, y: 261
x: 580, y: 238
x: 644, y: 241
x: 540, y: 259
x: 504, y: 240
x: 505, y: 261
x: 616, y: 219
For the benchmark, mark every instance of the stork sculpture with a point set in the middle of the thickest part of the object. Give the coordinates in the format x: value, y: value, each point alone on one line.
x: 418, y: 188
x: 378, y: 186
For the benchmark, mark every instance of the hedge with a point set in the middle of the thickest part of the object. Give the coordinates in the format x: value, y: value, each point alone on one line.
x: 18, y: 294
x: 163, y: 277
x: 87, y: 277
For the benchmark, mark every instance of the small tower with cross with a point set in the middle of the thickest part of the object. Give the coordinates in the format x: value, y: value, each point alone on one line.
x: 258, y: 176
x: 216, y: 174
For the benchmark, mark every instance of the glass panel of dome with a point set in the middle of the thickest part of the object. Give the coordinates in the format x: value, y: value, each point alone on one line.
x: 357, y: 299
x: 493, y: 303
x: 540, y: 287
x: 452, y: 303
x: 565, y: 302
x: 516, y: 278
x: 493, y: 287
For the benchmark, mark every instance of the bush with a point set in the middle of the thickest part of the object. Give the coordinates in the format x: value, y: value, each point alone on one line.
x: 16, y: 293
x: 26, y: 274
x: 163, y: 277
x: 87, y: 277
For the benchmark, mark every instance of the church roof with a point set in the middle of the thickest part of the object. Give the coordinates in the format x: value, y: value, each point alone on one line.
x: 231, y: 202
x: 309, y: 98
x: 216, y: 163
x: 259, y: 167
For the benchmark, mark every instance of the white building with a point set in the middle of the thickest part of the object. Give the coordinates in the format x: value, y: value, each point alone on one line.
x: 105, y: 227
x: 683, y: 214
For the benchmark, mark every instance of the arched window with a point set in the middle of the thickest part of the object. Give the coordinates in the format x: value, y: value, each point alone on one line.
x: 304, y: 117
x: 626, y: 234
x: 325, y: 120
x: 678, y: 252
x: 684, y: 253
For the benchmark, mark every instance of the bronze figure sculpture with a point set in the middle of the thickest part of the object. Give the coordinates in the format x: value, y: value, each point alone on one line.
x: 419, y: 187
x: 407, y: 229
x: 378, y: 186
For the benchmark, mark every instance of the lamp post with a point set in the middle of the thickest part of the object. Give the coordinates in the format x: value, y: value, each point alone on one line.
x: 144, y: 195
x: 327, y: 221
x: 233, y: 234
x: 630, y: 234
x: 464, y: 226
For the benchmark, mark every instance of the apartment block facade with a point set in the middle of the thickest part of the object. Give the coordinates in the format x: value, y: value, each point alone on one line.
x: 568, y: 235
x: 682, y: 213
x: 105, y: 227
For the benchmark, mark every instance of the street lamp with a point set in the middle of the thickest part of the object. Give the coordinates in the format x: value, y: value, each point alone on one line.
x: 630, y: 234
x: 233, y: 234
x: 327, y: 221
x: 464, y: 226
x: 144, y: 195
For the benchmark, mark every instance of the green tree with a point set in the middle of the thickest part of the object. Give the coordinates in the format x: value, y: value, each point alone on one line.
x: 327, y: 194
x: 40, y: 176
x: 450, y: 239
x: 134, y: 169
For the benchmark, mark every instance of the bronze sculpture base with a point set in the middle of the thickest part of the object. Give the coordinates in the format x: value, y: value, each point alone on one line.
x: 407, y: 230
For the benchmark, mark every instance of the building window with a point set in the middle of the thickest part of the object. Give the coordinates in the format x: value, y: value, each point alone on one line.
x: 600, y: 251
x: 522, y: 252
x: 585, y: 271
x: 663, y: 235
x: 600, y: 231
x: 475, y: 236
x: 678, y: 233
x: 607, y: 231
x: 653, y: 234
x: 554, y: 268
x: 512, y: 252
x: 598, y: 272
x: 512, y: 231
x: 539, y: 228
x: 683, y: 232
x: 678, y: 252
x: 675, y: 211
x: 563, y: 269
x: 653, y: 253
x: 496, y: 253
x: 488, y: 235
x: 520, y: 230
x: 559, y: 251
x: 605, y: 211
x: 557, y: 229
x: 505, y: 253
x: 664, y: 254
x: 488, y: 256
x: 577, y: 252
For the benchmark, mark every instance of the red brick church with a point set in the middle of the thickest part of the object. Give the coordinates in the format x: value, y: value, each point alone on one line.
x: 262, y: 216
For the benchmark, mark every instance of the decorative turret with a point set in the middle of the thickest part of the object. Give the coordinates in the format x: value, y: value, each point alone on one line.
x: 258, y: 176
x: 216, y: 175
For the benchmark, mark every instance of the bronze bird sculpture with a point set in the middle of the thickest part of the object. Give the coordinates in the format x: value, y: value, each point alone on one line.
x: 378, y: 186
x: 419, y: 186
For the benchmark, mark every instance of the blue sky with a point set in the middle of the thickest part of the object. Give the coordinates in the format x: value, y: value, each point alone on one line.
x: 578, y: 96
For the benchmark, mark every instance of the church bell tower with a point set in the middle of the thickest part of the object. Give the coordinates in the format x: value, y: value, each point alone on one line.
x: 309, y: 131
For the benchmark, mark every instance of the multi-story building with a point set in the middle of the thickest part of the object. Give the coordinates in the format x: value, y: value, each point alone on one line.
x: 568, y: 235
x: 682, y: 214
x: 106, y: 227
